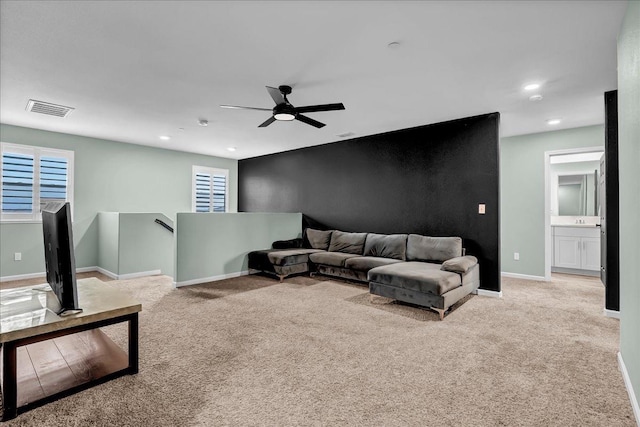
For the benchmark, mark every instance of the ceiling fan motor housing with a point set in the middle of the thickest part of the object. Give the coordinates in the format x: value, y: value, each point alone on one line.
x: 286, y: 90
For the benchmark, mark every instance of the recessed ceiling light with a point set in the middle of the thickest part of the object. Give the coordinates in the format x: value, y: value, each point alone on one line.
x: 535, y: 98
x: 553, y: 122
x: 164, y: 137
x: 231, y: 148
x: 532, y: 86
x: 203, y: 122
x: 345, y: 135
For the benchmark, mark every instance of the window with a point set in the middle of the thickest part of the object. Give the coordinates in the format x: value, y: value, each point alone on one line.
x: 210, y: 189
x: 31, y: 177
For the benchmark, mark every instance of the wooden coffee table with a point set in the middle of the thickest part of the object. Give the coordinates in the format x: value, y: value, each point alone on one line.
x: 45, y: 356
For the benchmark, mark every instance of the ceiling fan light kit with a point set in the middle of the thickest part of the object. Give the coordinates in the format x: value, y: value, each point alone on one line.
x: 284, y: 116
x: 284, y: 111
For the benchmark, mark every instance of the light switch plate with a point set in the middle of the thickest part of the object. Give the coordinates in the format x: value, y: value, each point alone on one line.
x: 17, y: 256
x: 481, y: 208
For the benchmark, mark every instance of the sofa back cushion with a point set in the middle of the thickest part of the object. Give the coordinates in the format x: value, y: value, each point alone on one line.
x: 435, y: 249
x: 350, y: 243
x: 386, y: 245
x: 318, y: 239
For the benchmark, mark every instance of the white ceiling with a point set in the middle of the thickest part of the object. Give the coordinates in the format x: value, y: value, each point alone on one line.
x: 136, y: 70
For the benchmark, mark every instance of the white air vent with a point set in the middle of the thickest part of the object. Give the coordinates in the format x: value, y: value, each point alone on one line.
x: 48, y: 108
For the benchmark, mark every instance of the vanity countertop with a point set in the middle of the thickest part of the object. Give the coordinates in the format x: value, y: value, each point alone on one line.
x: 576, y: 225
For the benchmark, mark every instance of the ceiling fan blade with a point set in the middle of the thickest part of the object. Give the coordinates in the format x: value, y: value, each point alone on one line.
x: 276, y: 95
x: 237, y: 107
x: 267, y: 122
x: 323, y: 107
x: 309, y: 121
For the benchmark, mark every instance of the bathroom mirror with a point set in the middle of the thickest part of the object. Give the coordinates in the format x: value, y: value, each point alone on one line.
x: 578, y: 194
x: 574, y: 186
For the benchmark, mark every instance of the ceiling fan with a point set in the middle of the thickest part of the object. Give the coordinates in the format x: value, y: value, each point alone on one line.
x: 287, y: 112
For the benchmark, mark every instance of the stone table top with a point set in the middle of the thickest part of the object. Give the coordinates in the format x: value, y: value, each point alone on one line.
x: 24, y: 311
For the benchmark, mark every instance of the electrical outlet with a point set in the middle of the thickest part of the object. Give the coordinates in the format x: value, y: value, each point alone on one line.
x: 17, y: 256
x: 516, y: 256
x: 481, y: 208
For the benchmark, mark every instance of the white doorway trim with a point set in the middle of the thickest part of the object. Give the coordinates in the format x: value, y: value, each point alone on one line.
x: 547, y: 200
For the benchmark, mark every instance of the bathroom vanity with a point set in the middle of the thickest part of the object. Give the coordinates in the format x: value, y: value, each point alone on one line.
x: 576, y: 249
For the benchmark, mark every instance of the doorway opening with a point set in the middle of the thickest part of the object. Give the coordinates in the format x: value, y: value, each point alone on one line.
x: 573, y: 197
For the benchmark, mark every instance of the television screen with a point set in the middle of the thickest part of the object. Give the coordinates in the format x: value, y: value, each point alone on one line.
x: 59, y: 256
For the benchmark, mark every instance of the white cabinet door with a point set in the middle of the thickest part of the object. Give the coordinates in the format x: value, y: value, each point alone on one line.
x: 567, y: 252
x: 590, y: 253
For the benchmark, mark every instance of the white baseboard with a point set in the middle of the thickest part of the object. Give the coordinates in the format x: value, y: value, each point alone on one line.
x: 211, y: 279
x: 612, y: 313
x: 629, y: 386
x: 107, y: 273
x: 138, y: 274
x: 88, y: 269
x: 41, y: 274
x: 22, y: 277
x: 487, y: 293
x: 523, y: 276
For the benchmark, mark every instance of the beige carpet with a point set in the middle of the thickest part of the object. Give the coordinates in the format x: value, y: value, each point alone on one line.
x: 310, y: 351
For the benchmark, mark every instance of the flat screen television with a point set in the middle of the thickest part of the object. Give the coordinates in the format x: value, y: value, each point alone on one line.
x: 59, y: 256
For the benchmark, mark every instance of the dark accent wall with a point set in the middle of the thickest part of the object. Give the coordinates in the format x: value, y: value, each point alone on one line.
x: 610, y: 214
x: 427, y: 180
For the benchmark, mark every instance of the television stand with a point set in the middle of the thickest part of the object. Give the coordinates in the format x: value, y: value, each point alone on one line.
x: 46, y: 356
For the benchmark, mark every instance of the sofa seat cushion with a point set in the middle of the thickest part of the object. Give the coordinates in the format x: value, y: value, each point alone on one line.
x: 416, y: 276
x: 366, y: 263
x: 290, y: 256
x: 334, y: 259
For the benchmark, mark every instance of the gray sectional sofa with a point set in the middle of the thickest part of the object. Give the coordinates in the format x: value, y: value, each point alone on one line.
x: 428, y: 271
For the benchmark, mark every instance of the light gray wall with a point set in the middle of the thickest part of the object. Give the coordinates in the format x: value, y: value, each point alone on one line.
x: 144, y: 245
x: 522, y: 192
x: 213, y: 246
x: 108, y: 241
x: 629, y: 151
x: 109, y: 177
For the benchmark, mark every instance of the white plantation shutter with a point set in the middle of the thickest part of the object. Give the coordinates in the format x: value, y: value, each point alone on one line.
x: 17, y: 183
x: 31, y: 177
x: 219, y: 193
x: 210, y: 189
x: 53, y: 179
x: 203, y: 192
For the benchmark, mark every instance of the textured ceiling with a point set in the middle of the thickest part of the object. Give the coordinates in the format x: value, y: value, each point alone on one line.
x: 136, y: 70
